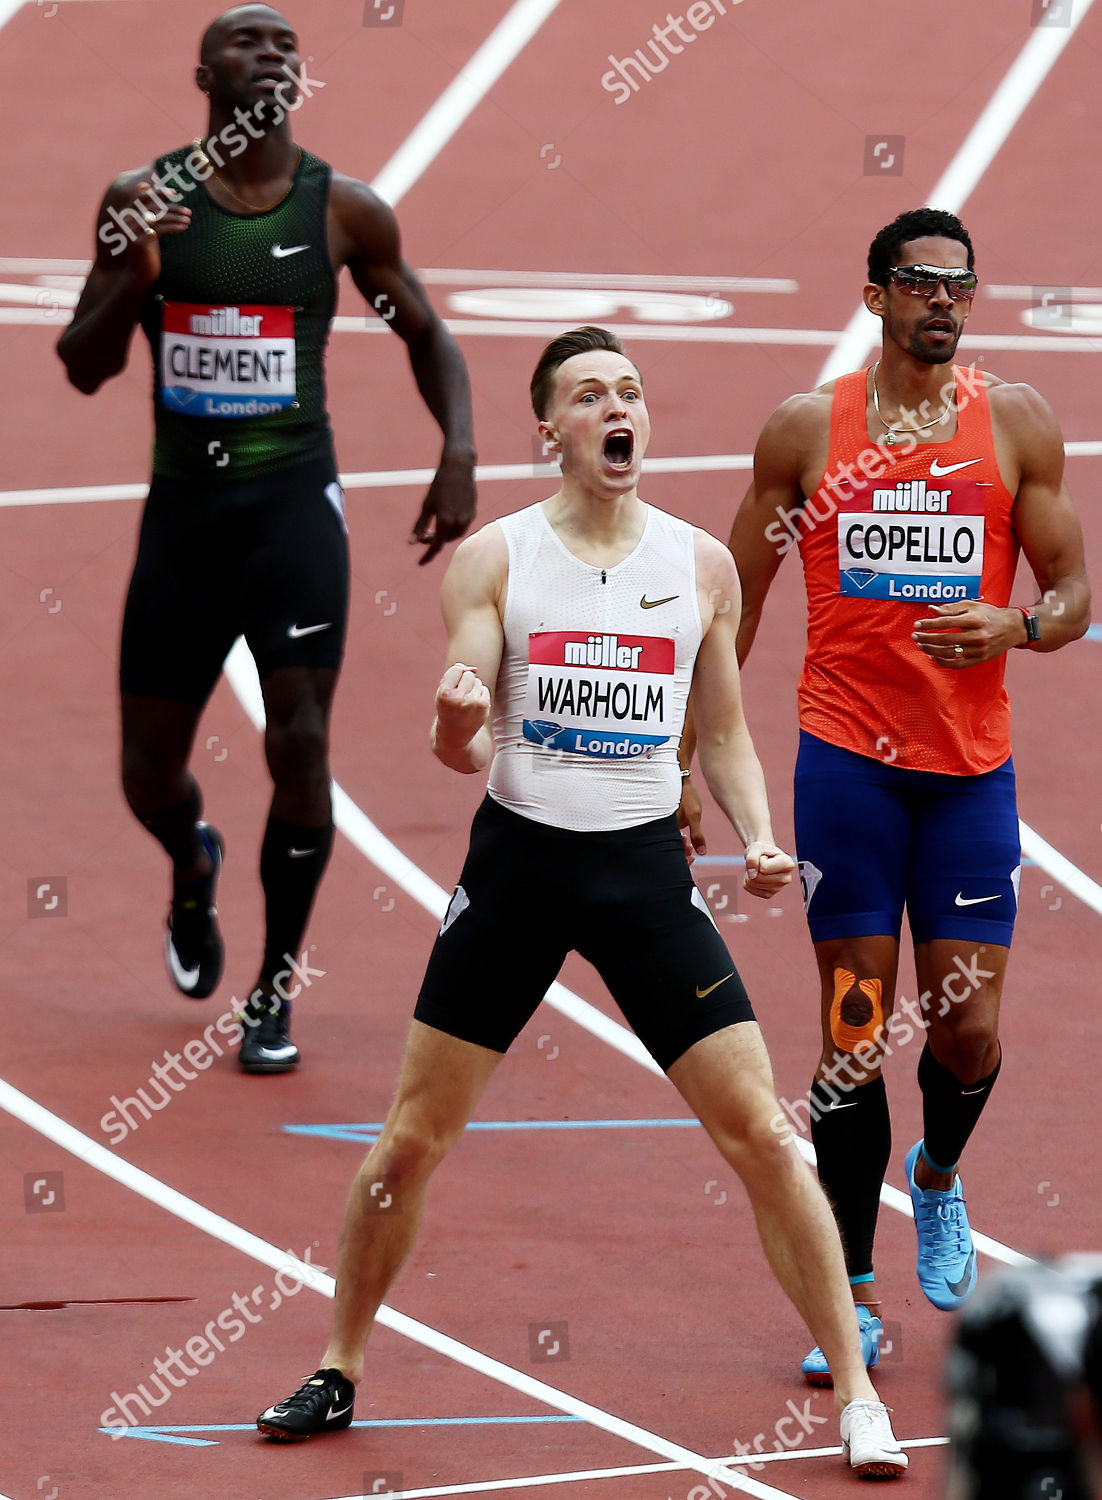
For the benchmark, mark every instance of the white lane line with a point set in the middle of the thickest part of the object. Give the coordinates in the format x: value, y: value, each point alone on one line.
x: 1060, y: 867
x: 982, y: 144
x: 606, y: 281
x: 24, y: 265
x: 461, y: 97
x: 67, y: 1136
x: 385, y: 479
x: 379, y: 479
x: 1028, y: 293
x: 47, y: 316
x: 494, y: 1486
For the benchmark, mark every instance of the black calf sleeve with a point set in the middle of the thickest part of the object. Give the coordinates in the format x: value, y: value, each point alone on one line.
x: 950, y: 1109
x: 292, y: 862
x: 852, y: 1135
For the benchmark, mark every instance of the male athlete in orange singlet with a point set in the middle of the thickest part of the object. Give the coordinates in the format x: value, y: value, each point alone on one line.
x: 910, y: 489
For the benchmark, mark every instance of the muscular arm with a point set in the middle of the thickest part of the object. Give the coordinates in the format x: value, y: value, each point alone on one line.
x: 1052, y: 542
x: 727, y: 756
x: 760, y: 536
x: 472, y: 597
x: 370, y: 246
x: 96, y: 343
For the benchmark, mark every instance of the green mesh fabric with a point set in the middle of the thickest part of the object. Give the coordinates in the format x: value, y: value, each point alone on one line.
x: 225, y: 259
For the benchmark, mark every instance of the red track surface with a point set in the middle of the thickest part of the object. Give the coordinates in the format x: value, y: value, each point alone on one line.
x: 743, y: 158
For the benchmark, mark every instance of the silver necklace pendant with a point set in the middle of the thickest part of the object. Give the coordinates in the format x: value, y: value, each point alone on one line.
x: 889, y: 439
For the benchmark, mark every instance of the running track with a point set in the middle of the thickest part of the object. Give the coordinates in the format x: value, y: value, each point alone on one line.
x: 736, y: 175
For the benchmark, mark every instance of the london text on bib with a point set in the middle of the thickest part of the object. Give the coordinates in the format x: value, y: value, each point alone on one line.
x: 917, y: 540
x: 227, y: 361
x: 604, y: 695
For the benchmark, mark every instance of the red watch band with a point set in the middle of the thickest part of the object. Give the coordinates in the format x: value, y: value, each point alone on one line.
x: 1032, y: 626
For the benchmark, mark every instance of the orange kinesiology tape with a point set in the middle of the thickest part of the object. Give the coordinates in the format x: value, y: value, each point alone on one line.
x: 856, y: 997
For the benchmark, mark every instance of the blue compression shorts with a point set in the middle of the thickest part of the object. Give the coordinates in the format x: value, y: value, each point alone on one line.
x: 872, y: 838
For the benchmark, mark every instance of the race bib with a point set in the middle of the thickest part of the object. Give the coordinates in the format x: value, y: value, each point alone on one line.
x: 912, y: 541
x: 609, y: 696
x: 227, y: 361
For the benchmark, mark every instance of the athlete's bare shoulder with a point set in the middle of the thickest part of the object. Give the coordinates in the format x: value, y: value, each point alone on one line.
x: 717, y: 577
x: 360, y: 208
x: 1022, y: 414
x: 480, y: 563
x: 802, y: 419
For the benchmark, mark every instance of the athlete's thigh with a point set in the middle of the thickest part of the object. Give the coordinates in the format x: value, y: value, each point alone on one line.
x: 962, y: 980
x: 294, y: 584
x: 298, y: 696
x: 157, y: 732
x: 648, y: 933
x: 180, y: 616
x: 501, y: 942
x: 439, y: 1084
x: 966, y: 860
x: 853, y: 833
x: 727, y: 1081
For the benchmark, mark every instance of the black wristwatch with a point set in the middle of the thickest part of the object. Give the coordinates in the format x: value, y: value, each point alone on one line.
x: 1032, y: 627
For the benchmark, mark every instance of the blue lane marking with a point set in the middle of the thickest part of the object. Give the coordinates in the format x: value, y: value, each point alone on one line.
x: 1094, y: 633
x: 371, y: 1132
x: 167, y: 1434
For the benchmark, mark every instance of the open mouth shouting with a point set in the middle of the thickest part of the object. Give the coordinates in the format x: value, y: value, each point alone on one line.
x: 618, y: 450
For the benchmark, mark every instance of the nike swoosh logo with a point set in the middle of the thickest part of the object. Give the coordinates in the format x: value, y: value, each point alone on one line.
x: 300, y: 853
x: 340, y: 1413
x: 645, y: 603
x: 297, y: 630
x: 958, y: 1288
x: 280, y: 251
x: 852, y: 1105
x: 938, y: 471
x: 187, y: 979
x: 973, y: 900
x: 699, y: 992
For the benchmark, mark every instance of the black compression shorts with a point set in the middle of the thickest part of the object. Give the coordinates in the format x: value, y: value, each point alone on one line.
x: 266, y: 558
x: 529, y: 894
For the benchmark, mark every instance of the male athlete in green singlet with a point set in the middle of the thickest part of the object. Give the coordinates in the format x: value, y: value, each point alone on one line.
x: 227, y: 253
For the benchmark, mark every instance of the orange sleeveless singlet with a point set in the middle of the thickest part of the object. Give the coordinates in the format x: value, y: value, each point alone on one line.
x: 889, y: 532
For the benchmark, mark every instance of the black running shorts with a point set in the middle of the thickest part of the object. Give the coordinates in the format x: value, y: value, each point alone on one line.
x: 529, y: 894
x: 266, y: 558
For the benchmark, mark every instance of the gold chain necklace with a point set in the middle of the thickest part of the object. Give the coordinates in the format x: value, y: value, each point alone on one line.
x: 255, y: 208
x: 895, y: 434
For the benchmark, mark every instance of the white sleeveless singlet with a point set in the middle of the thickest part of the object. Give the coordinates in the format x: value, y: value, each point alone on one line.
x: 595, y: 676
